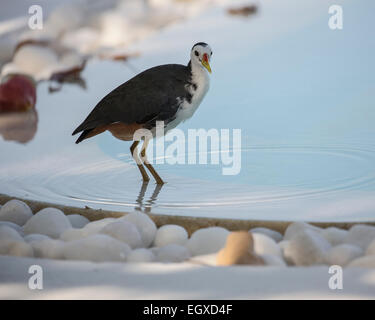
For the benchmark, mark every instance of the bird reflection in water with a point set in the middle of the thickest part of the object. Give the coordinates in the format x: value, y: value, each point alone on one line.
x: 146, y: 206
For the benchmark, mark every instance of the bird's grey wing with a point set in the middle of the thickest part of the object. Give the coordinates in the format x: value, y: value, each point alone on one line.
x: 151, y: 96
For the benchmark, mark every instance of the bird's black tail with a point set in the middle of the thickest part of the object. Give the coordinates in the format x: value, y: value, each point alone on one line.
x: 83, y: 135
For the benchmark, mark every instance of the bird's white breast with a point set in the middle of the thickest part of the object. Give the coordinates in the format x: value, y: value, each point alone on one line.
x: 186, y: 110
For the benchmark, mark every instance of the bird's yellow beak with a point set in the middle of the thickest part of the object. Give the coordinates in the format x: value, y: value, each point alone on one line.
x: 205, y: 63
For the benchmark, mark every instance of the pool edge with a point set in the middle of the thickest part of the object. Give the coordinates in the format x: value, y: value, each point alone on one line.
x: 191, y: 224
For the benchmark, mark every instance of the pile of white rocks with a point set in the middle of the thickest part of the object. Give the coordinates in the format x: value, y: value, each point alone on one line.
x: 135, y: 238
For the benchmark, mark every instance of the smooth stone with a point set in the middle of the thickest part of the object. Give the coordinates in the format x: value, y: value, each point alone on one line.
x: 361, y: 235
x: 145, y: 226
x: 342, y: 254
x: 12, y: 225
x: 124, y: 231
x: 48, y: 248
x: 170, y: 234
x: 154, y: 250
x: 77, y: 221
x: 205, y: 259
x: 371, y: 248
x: 94, y: 227
x: 74, y: 234
x: 334, y: 235
x: 141, y: 255
x: 96, y: 248
x: 8, y: 233
x: 21, y: 249
x: 363, y: 262
x: 173, y: 253
x: 15, y: 211
x: 263, y: 244
x: 8, y: 236
x: 307, y: 248
x: 284, y: 250
x: 277, y: 236
x: 238, y: 250
x: 297, y: 227
x: 272, y: 260
x: 207, y: 240
x: 35, y: 237
x: 49, y: 221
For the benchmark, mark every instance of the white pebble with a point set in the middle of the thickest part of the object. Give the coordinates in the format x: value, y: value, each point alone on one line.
x: 7, y: 236
x: 154, y: 250
x: 277, y: 236
x: 124, y: 231
x: 141, y: 255
x: 205, y: 259
x: 170, y: 234
x: 342, y: 254
x: 8, y: 233
x: 272, y: 260
x: 334, y: 235
x: 12, y: 225
x: 97, y: 248
x: 363, y: 262
x: 284, y: 250
x: 94, y: 227
x: 371, y: 248
x: 307, y: 248
x: 297, y: 227
x: 35, y: 237
x: 48, y: 249
x: 145, y: 226
x: 265, y: 245
x: 173, y: 253
x: 360, y: 235
x: 74, y: 234
x: 21, y: 249
x: 207, y: 240
x: 77, y: 221
x: 15, y: 211
x: 49, y: 221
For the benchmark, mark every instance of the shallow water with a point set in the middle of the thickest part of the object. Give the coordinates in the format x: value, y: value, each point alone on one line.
x: 302, y: 94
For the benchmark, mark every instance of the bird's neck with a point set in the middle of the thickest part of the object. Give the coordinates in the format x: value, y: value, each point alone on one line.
x: 189, y: 65
x: 198, y: 73
x: 194, y: 68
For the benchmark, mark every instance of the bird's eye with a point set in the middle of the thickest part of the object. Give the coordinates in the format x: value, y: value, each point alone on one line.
x: 196, y: 53
x: 211, y: 53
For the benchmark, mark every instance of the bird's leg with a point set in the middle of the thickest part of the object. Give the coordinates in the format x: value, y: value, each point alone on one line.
x: 148, y: 164
x: 141, y: 195
x: 138, y: 161
x: 153, y: 198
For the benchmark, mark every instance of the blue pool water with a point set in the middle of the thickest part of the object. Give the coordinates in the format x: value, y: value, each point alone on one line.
x: 302, y: 94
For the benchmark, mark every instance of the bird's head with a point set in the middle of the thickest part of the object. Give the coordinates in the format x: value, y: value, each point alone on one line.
x: 200, y: 55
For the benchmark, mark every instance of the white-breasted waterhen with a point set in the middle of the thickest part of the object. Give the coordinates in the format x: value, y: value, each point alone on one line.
x: 170, y: 93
